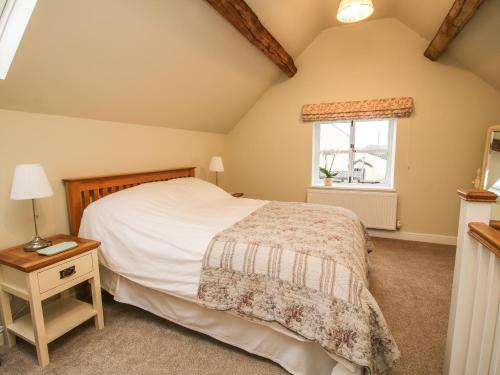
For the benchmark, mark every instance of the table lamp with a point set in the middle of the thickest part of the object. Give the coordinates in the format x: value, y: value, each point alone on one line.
x: 216, y: 166
x: 30, y: 182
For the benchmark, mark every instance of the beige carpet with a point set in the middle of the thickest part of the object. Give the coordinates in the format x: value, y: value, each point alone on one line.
x: 411, y: 282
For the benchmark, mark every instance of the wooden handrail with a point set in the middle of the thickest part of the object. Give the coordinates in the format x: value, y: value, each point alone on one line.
x: 489, y: 237
x: 477, y: 195
x: 495, y: 224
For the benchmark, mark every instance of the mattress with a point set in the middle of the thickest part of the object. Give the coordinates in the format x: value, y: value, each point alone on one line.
x: 156, y: 234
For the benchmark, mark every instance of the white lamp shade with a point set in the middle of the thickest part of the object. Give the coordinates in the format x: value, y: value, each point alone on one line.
x: 30, y: 182
x: 354, y: 10
x: 216, y: 164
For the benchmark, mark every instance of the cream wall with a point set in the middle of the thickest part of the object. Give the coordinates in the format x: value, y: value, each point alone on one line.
x: 268, y: 153
x: 438, y: 149
x: 73, y: 147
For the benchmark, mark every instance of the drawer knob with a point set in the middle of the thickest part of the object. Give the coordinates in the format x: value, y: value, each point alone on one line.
x: 67, y: 272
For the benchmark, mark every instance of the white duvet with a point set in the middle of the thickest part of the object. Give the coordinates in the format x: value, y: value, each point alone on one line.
x: 156, y: 234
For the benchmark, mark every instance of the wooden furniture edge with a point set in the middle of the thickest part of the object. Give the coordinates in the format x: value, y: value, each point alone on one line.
x: 477, y: 195
x: 489, y: 237
x: 495, y: 224
x: 80, y: 192
x: 41, y: 261
x: 120, y: 175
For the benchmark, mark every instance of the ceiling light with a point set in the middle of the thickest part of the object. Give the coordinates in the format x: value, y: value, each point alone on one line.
x: 354, y: 10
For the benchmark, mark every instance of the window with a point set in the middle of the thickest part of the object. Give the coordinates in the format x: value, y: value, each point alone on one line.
x: 14, y: 17
x: 3, y: 7
x: 360, y: 153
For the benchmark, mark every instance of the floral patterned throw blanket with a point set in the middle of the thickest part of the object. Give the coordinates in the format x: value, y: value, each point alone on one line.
x: 305, y: 267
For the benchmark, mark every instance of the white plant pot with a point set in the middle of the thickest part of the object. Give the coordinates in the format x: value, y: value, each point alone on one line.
x: 328, y: 181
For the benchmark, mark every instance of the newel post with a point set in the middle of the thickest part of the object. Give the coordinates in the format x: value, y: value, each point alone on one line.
x: 475, y: 206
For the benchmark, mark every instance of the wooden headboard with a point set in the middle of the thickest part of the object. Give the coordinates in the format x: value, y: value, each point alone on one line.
x: 80, y: 192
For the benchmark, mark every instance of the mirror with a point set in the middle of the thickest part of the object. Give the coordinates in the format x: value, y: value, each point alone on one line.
x: 490, y: 179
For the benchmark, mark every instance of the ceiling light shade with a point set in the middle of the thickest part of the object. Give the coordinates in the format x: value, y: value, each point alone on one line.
x: 354, y: 10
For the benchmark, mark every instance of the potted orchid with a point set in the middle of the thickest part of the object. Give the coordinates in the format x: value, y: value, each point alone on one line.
x: 326, y: 170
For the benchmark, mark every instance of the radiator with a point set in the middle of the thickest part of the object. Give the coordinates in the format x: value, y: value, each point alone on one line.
x: 376, y: 209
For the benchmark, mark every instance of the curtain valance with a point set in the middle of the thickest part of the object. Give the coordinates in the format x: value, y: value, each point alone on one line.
x: 361, y: 109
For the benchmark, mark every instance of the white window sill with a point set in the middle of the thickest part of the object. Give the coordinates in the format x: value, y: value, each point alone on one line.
x: 361, y: 187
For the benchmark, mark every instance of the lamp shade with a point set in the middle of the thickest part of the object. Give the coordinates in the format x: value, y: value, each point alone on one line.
x: 354, y: 10
x: 30, y: 182
x: 216, y: 164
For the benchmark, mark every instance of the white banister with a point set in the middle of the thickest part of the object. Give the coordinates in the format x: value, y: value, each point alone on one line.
x: 491, y: 327
x: 495, y: 358
x: 472, y: 343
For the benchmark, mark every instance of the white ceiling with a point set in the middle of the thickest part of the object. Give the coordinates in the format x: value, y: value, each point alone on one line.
x: 178, y: 63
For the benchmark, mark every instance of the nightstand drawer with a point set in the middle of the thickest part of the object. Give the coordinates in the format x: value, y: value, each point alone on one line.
x: 64, y: 273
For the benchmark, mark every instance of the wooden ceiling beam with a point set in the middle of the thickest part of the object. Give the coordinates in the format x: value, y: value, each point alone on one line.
x: 243, y: 18
x: 460, y: 13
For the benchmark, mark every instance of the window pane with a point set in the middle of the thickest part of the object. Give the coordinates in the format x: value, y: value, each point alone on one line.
x: 372, y: 135
x: 370, y: 167
x: 335, y: 136
x: 2, y: 6
x: 340, y: 164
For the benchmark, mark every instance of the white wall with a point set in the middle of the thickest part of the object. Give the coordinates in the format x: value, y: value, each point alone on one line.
x: 268, y: 153
x: 438, y: 149
x: 71, y: 147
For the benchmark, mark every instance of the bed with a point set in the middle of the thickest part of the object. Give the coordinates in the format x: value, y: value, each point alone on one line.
x: 164, y: 235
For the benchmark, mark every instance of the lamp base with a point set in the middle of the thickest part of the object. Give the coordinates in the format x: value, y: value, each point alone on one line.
x: 37, y: 243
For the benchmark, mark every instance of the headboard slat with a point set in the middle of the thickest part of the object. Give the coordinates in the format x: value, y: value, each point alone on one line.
x: 80, y: 192
x: 86, y: 197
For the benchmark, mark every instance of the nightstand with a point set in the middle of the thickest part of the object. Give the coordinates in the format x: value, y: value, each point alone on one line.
x: 237, y: 195
x: 34, y: 278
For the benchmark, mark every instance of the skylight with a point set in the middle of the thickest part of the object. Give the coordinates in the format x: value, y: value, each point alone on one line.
x: 14, y: 17
x: 2, y: 5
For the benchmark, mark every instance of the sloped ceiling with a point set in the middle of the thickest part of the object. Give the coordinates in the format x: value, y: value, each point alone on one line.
x: 172, y: 63
x: 478, y: 46
x: 179, y: 64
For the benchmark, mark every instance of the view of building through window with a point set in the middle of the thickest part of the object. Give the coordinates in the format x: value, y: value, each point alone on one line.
x: 359, y: 152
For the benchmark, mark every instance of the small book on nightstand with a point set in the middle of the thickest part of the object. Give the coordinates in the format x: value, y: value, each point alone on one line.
x: 57, y: 248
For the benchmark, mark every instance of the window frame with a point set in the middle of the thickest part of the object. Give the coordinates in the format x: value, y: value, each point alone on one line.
x: 5, y: 13
x: 13, y: 22
x: 391, y: 148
